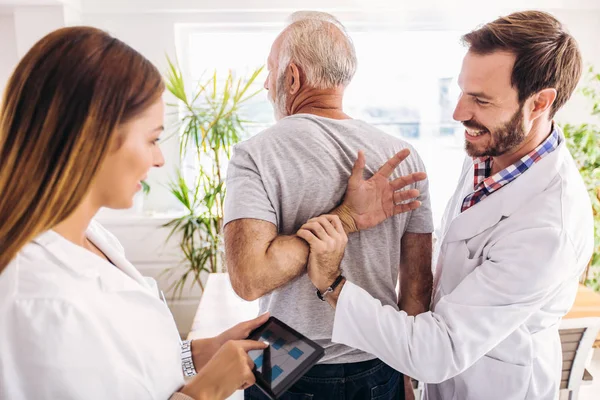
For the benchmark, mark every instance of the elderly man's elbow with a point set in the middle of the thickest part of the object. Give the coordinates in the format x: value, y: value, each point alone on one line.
x: 246, y: 292
x: 243, y: 285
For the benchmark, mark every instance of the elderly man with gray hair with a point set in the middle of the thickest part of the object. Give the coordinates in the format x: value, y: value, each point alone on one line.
x: 299, y: 169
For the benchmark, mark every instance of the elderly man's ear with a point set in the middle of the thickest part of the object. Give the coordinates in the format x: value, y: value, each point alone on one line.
x: 293, y: 78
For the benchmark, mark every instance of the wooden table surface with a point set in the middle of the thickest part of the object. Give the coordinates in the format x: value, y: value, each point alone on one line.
x: 587, y: 304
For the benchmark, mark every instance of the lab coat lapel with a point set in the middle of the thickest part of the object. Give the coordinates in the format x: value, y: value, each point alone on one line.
x: 117, y: 257
x: 73, y: 258
x: 86, y: 264
x: 505, y: 201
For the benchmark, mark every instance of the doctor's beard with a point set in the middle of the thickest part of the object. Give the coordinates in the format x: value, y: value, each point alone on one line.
x: 503, y: 139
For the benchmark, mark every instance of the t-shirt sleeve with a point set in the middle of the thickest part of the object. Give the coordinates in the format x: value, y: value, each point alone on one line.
x: 421, y: 219
x: 246, y: 194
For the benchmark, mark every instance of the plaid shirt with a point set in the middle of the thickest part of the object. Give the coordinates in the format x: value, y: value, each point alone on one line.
x: 485, y: 185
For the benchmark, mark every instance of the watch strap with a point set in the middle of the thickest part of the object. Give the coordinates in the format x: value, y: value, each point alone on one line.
x: 331, y: 288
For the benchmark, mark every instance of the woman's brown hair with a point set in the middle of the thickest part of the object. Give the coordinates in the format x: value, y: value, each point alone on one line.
x: 547, y: 56
x: 58, y: 121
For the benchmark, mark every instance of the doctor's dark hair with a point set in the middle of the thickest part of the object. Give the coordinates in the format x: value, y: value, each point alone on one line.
x: 58, y: 121
x: 547, y: 56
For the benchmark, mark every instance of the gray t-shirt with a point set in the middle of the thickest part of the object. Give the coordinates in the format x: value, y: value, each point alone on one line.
x: 298, y: 169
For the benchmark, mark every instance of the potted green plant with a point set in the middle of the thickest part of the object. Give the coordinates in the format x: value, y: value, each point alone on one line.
x: 584, y: 143
x: 138, y: 199
x: 209, y: 126
x: 145, y: 188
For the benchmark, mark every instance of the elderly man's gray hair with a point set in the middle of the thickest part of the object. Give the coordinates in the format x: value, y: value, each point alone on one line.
x: 319, y: 44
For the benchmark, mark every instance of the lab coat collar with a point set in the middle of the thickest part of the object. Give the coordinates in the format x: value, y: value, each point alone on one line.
x: 84, y: 263
x: 75, y: 259
x: 507, y: 200
x: 114, y: 254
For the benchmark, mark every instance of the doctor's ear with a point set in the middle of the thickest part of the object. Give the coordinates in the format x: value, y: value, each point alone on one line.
x: 541, y: 102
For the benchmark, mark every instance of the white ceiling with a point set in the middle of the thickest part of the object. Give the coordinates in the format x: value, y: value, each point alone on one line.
x: 99, y: 6
x: 20, y: 3
x: 157, y: 6
x: 8, y: 6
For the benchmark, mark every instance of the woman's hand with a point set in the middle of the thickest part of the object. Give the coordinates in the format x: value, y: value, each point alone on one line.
x: 204, y: 349
x: 228, y: 370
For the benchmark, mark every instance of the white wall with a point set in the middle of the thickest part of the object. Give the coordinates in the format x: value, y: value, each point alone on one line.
x: 153, y: 35
x: 584, y: 25
x: 22, y: 24
x: 33, y: 23
x: 8, y: 48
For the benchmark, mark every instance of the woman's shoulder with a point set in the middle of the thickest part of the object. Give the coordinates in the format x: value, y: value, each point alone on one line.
x: 100, y: 231
x: 38, y: 275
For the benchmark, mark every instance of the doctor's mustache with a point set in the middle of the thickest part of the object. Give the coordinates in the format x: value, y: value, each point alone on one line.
x: 471, y: 124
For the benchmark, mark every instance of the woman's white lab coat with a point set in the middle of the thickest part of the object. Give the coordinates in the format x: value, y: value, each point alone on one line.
x: 507, y: 271
x: 74, y: 326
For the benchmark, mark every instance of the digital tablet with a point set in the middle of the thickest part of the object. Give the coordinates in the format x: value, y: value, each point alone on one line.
x: 289, y: 356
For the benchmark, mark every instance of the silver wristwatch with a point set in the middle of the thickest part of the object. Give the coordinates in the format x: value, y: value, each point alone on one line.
x: 187, y: 362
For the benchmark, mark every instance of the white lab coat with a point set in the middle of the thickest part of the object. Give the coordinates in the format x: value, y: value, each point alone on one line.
x: 73, y: 326
x: 507, y: 271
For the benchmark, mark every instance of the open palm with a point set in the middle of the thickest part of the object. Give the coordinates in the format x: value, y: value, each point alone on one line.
x: 371, y: 201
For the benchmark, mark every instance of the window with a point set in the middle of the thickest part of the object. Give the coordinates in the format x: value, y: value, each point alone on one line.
x: 405, y: 85
x: 240, y: 49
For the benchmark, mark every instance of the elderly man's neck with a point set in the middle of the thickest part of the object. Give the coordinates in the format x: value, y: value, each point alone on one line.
x: 322, y: 102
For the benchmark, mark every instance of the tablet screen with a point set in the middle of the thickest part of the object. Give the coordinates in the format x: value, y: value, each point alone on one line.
x: 287, y: 357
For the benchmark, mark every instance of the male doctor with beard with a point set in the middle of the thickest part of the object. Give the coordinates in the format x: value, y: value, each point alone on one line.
x: 515, y: 237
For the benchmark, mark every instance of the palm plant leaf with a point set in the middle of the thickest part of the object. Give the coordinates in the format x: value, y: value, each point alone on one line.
x: 209, y: 125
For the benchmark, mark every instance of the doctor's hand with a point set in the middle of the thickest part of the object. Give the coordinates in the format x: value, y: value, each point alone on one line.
x: 204, y: 349
x: 369, y: 202
x: 327, y: 240
x: 229, y: 370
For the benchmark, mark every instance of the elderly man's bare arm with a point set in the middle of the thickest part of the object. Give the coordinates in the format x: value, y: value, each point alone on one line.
x: 260, y: 261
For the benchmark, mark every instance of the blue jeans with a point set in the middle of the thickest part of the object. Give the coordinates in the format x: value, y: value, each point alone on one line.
x: 357, y: 381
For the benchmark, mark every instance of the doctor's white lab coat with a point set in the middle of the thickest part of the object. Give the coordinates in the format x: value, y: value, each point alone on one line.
x: 507, y: 270
x: 73, y: 326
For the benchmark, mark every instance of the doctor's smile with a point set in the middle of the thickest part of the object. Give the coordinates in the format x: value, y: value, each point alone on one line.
x: 326, y: 221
